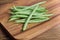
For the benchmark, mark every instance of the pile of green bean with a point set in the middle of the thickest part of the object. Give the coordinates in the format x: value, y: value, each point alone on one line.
x: 29, y: 14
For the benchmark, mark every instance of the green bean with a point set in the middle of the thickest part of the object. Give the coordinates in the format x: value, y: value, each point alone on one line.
x: 22, y: 13
x: 44, y: 15
x: 36, y: 16
x: 18, y: 16
x: 31, y: 21
x: 29, y: 17
x: 12, y: 19
x: 35, y: 5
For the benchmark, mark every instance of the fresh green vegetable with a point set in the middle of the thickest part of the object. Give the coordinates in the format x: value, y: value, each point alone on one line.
x: 35, y: 5
x: 32, y: 21
x: 29, y: 14
x: 12, y: 19
x: 29, y: 17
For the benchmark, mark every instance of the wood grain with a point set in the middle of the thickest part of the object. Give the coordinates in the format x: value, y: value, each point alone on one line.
x: 33, y: 29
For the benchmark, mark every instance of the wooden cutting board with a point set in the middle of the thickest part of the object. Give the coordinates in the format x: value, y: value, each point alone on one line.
x: 33, y: 30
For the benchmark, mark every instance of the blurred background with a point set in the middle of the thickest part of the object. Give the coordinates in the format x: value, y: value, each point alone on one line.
x: 5, y: 1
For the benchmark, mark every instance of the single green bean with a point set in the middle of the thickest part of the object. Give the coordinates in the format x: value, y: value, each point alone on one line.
x: 18, y: 16
x: 12, y: 19
x: 22, y: 13
x: 31, y: 21
x: 35, y: 5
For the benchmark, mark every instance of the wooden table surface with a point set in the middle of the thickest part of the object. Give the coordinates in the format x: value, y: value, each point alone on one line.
x: 55, y: 10
x: 52, y: 34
